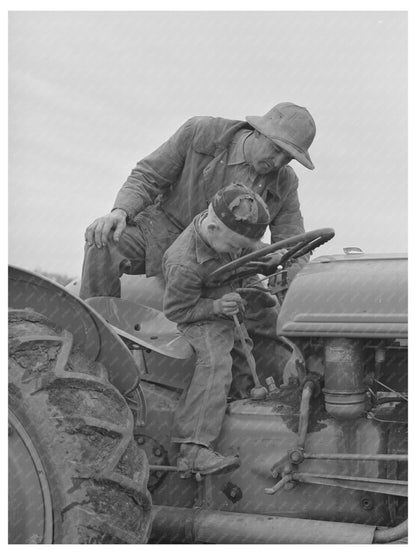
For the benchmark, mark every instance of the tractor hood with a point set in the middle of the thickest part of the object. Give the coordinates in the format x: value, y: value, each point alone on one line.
x: 356, y: 295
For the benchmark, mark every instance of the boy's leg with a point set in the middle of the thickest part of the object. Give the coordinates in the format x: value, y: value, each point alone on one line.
x: 200, y: 414
x: 103, y: 267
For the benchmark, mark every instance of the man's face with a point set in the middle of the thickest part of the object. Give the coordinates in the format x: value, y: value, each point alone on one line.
x: 265, y: 156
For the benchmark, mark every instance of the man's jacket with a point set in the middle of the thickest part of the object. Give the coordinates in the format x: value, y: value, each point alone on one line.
x: 185, y: 172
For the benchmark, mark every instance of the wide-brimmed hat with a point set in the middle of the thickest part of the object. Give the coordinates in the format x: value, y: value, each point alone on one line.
x: 290, y: 127
x: 249, y: 219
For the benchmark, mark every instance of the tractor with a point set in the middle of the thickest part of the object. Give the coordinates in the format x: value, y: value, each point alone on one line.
x: 93, y: 387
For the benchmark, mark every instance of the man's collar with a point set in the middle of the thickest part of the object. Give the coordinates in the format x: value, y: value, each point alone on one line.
x: 236, y: 154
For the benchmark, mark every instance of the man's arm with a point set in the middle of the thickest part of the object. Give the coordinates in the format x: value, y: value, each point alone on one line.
x: 289, y: 222
x: 156, y: 173
x: 152, y: 175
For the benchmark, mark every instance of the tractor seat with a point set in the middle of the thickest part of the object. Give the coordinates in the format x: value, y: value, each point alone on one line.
x: 142, y: 325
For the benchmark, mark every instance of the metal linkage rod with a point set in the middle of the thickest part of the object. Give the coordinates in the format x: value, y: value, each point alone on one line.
x: 377, y: 485
x: 163, y: 468
x: 304, y: 412
x: 356, y: 457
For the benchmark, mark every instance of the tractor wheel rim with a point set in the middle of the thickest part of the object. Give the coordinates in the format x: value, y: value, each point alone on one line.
x: 31, y: 485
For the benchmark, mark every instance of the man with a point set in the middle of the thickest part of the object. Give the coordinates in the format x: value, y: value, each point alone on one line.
x: 168, y: 188
x: 235, y: 221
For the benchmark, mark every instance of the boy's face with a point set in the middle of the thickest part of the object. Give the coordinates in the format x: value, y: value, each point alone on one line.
x: 224, y: 240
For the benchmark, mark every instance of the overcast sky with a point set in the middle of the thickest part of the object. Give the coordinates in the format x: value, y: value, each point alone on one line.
x: 90, y: 93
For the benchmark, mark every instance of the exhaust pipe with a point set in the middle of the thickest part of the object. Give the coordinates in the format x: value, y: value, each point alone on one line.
x: 389, y: 535
x: 178, y: 525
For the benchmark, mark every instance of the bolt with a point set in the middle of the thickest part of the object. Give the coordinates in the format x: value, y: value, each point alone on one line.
x: 137, y: 327
x: 367, y: 503
x: 296, y: 457
x: 140, y: 440
x: 276, y: 473
x: 157, y: 452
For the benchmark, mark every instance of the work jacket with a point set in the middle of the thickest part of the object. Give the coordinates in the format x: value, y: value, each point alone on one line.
x: 184, y: 173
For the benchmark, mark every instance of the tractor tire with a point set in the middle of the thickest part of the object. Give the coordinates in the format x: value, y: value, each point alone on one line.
x: 77, y: 474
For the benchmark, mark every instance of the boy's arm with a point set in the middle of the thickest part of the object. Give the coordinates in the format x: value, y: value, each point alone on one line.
x: 182, y: 301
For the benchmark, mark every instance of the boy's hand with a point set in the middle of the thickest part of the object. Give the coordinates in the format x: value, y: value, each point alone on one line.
x: 229, y: 304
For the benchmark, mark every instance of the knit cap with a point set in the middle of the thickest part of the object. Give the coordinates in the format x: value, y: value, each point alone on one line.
x: 241, y: 210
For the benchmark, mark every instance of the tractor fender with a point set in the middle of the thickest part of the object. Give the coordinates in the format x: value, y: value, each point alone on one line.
x: 92, y: 334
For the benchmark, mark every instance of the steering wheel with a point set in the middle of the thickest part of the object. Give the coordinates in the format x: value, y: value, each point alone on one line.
x: 300, y: 245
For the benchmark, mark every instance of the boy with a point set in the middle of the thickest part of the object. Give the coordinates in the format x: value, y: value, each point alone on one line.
x: 235, y: 221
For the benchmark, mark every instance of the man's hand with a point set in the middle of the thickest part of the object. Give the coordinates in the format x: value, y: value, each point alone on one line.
x: 268, y: 263
x: 99, y: 232
x: 229, y: 304
x: 271, y: 261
